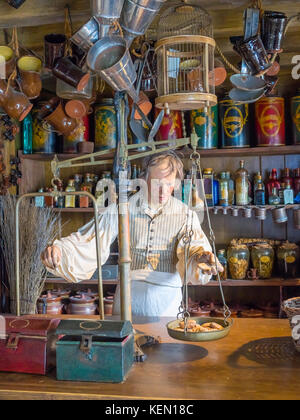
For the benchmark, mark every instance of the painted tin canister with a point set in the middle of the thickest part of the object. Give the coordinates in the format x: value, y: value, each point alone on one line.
x: 70, y: 143
x: 105, y: 125
x: 205, y: 123
x: 171, y: 127
x: 43, y: 135
x: 270, y: 121
x: 295, y: 112
x: 235, y: 124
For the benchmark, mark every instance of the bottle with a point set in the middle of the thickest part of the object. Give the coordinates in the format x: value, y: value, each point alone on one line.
x: 223, y: 190
x: 60, y: 203
x: 242, y: 185
x: 88, y: 182
x: 49, y: 201
x: 274, y: 199
x: 70, y: 199
x: 273, y: 182
x: 39, y: 201
x: 215, y: 191
x: 281, y: 192
x: 286, y: 177
x: 27, y: 131
x: 78, y: 178
x: 257, y: 181
x: 134, y: 172
x: 208, y: 181
x: 297, y: 181
x: 231, y: 196
x: 288, y: 194
x: 187, y: 188
x: 83, y: 200
x: 260, y: 196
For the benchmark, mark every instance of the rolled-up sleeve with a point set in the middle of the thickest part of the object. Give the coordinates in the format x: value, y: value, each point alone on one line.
x: 199, y: 242
x: 79, y: 253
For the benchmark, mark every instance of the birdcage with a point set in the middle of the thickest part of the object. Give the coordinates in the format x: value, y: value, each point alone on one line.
x: 185, y: 55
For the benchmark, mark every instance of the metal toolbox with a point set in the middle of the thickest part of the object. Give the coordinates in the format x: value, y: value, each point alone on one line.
x: 27, y: 345
x: 94, y: 351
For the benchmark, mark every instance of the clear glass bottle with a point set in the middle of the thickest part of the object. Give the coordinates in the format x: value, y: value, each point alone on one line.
x: 242, y: 185
x: 60, y: 203
x: 70, y: 201
x: 274, y: 199
x: 88, y: 182
x: 238, y: 257
x: 223, y: 190
x: 39, y: 201
x: 288, y: 194
x: 281, y: 192
x: 231, y: 189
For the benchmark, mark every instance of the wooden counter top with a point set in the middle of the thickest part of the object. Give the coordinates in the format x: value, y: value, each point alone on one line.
x: 256, y: 361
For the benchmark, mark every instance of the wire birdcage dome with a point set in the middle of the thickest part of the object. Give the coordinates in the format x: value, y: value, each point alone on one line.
x: 185, y: 56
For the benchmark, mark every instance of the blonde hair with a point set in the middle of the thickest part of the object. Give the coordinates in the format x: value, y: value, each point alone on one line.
x: 175, y: 163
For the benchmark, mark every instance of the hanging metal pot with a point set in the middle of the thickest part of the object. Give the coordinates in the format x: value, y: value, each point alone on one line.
x: 136, y: 17
x: 87, y: 35
x: 246, y: 97
x: 111, y: 59
x: 106, y: 11
x: 247, y: 82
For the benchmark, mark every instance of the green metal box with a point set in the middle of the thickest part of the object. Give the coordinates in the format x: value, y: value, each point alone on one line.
x: 94, y: 351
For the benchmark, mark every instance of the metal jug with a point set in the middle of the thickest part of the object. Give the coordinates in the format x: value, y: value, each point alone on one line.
x: 106, y: 11
x: 87, y: 35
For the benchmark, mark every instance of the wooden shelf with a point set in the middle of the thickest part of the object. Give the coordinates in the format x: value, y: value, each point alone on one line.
x: 274, y: 282
x: 74, y: 210
x: 56, y: 280
x: 251, y: 151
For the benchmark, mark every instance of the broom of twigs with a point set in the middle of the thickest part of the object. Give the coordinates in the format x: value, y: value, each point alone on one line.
x: 37, y: 229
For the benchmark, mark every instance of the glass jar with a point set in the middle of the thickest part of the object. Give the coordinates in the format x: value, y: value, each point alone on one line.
x: 288, y: 256
x: 238, y: 257
x: 66, y: 91
x: 223, y: 260
x: 262, y: 257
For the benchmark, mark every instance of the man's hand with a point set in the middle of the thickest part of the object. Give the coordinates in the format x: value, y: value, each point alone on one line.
x: 207, y: 263
x: 51, y: 257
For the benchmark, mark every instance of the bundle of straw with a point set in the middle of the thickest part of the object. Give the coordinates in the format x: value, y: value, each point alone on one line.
x: 37, y: 229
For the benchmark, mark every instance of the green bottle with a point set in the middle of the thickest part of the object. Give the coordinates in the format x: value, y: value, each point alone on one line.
x: 27, y: 135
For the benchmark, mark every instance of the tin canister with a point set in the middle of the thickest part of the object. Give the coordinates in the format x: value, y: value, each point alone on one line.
x: 235, y: 124
x: 43, y: 135
x: 205, y: 122
x: 70, y: 143
x: 105, y: 125
x: 171, y: 127
x: 295, y: 112
x: 270, y: 121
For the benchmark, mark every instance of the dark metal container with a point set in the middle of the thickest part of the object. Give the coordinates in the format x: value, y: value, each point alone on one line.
x: 270, y: 121
x: 43, y: 135
x: 235, y: 124
x: 295, y: 112
x: 205, y: 122
x: 105, y: 125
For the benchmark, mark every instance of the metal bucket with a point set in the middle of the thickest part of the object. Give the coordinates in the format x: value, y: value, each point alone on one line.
x: 105, y: 11
x: 110, y: 58
x: 137, y: 15
x: 87, y: 35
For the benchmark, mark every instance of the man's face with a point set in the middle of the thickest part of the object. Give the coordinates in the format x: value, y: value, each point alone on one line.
x: 161, y: 182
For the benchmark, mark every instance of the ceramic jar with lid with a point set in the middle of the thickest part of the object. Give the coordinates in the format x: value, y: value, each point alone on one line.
x: 262, y: 257
x: 50, y: 304
x: 288, y: 256
x: 82, y: 304
x: 238, y: 257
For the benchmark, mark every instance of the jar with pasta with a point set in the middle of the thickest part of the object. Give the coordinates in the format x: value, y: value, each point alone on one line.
x: 288, y: 256
x: 238, y: 257
x: 262, y: 257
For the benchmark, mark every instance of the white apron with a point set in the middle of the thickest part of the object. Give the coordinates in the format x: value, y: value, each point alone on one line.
x: 153, y: 293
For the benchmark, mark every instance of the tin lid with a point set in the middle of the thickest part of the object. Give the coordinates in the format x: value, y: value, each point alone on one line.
x: 114, y: 329
x: 29, y: 326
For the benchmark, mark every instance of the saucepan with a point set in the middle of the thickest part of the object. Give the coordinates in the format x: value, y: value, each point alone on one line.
x: 110, y: 58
